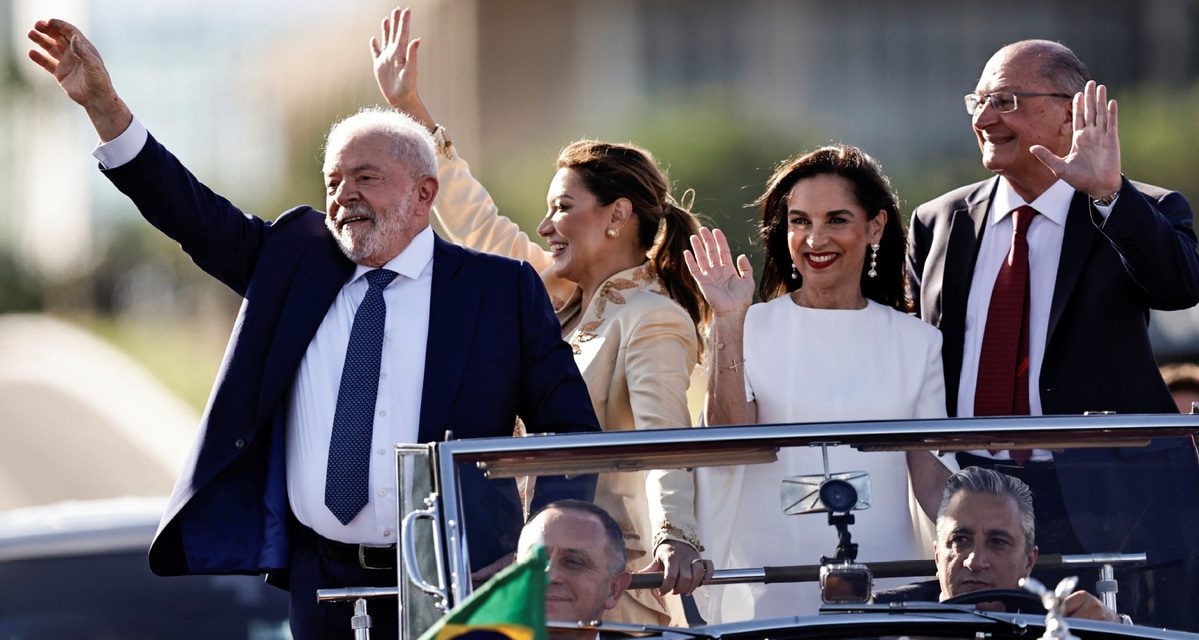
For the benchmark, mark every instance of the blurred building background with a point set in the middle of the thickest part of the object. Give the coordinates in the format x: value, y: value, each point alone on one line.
x: 720, y: 91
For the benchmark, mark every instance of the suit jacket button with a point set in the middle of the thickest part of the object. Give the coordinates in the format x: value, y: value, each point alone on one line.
x: 240, y: 443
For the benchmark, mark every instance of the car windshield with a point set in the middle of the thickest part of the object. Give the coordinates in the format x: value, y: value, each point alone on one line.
x: 795, y: 516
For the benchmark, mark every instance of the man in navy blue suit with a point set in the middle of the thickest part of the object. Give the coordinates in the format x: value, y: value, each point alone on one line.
x: 1097, y: 253
x: 359, y: 329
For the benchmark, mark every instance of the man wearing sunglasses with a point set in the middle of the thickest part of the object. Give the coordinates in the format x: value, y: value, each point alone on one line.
x: 1041, y: 280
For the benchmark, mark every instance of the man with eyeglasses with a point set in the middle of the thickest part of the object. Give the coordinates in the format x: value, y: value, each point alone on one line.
x: 1041, y: 280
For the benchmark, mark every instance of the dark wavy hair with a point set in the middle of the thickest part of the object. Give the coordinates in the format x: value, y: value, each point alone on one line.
x: 873, y: 192
x: 612, y: 171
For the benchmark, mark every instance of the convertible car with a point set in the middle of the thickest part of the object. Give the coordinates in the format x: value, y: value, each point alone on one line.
x: 829, y: 485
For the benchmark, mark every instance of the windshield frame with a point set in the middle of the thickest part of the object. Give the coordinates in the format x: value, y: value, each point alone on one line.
x: 554, y: 454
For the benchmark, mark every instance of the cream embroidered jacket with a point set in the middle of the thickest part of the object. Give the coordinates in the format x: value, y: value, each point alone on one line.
x: 635, y: 347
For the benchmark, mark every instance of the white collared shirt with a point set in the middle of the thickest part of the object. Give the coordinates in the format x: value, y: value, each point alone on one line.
x: 397, y: 408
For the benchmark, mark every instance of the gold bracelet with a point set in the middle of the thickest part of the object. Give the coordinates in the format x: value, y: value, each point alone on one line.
x: 667, y: 531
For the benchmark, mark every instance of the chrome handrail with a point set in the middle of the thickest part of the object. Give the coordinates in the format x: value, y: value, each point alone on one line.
x: 407, y: 542
x: 893, y: 569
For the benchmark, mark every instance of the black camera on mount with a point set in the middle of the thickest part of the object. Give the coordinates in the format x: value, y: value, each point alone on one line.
x: 842, y: 580
x: 837, y: 495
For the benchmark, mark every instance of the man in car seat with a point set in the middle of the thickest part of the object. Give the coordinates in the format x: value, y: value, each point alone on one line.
x: 586, y: 553
x: 985, y: 541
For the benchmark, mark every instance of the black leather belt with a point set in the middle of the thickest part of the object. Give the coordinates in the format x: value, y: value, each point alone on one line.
x: 367, y: 556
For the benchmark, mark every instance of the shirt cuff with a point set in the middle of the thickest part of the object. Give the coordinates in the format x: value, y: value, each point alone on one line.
x: 1104, y: 212
x: 123, y: 148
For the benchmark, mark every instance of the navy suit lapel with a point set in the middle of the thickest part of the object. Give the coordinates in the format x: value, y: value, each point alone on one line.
x: 453, y: 309
x: 1078, y: 238
x: 320, y: 274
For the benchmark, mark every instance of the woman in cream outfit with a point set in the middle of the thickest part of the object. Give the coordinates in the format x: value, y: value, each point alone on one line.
x: 629, y: 309
x: 830, y: 342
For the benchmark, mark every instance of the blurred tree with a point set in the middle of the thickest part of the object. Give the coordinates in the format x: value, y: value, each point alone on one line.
x: 726, y: 158
x: 916, y: 185
x: 1159, y: 137
x: 20, y: 290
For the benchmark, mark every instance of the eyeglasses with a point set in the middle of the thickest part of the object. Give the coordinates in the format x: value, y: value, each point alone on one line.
x: 1003, y: 101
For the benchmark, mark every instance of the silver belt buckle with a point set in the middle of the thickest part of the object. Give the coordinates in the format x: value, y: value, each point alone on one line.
x: 362, y: 555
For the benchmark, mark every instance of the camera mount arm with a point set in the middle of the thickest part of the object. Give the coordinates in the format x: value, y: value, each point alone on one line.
x: 847, y: 549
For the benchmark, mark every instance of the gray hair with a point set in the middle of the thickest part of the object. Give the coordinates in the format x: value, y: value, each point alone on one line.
x: 412, y: 143
x: 617, y: 556
x: 991, y: 482
x: 1064, y: 70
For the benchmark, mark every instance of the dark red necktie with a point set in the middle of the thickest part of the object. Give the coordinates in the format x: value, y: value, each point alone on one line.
x: 1002, y: 388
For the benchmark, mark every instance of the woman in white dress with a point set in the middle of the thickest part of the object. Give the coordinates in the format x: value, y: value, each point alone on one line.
x: 628, y: 308
x: 831, y: 341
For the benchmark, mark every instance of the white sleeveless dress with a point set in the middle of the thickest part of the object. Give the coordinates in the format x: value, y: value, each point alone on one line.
x: 819, y: 365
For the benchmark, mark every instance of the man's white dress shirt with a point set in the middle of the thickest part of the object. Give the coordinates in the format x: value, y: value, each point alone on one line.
x: 1045, y: 236
x: 397, y: 407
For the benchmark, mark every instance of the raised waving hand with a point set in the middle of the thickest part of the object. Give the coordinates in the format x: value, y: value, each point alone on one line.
x: 394, y: 55
x: 68, y: 56
x: 728, y: 286
x: 1093, y: 163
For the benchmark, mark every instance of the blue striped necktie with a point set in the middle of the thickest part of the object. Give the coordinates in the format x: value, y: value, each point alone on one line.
x: 347, y: 474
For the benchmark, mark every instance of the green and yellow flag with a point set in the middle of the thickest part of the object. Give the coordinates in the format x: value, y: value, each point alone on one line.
x: 510, y: 605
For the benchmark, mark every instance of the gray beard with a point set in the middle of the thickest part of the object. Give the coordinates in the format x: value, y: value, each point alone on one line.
x: 384, y: 230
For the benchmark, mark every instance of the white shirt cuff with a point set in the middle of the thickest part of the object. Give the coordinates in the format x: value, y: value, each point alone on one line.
x: 1104, y: 212
x: 123, y: 148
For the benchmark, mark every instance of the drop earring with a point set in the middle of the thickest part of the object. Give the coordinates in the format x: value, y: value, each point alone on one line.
x: 873, y: 261
x: 794, y: 272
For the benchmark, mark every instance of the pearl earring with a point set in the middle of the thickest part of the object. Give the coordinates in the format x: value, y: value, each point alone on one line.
x: 794, y: 272
x: 613, y: 232
x: 873, y: 261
